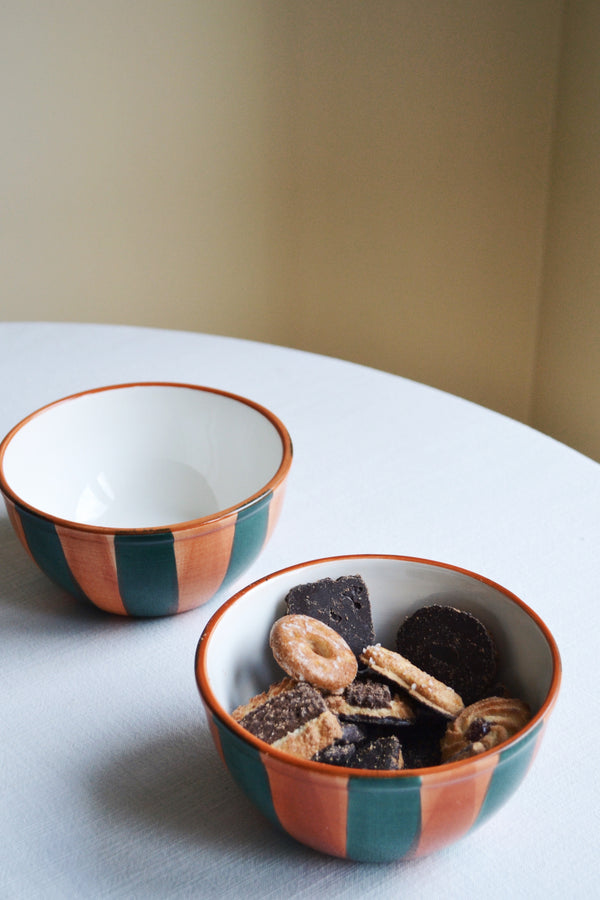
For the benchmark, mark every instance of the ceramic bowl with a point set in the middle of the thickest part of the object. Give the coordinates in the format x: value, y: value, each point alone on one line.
x: 145, y: 499
x: 367, y: 815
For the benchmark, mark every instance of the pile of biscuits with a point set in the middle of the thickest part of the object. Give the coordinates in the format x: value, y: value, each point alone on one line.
x: 348, y: 701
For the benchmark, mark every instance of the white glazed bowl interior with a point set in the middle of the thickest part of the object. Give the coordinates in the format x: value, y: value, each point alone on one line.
x: 239, y: 663
x: 143, y: 455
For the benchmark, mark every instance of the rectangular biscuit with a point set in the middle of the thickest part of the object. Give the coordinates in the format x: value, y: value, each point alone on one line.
x: 291, y: 716
x: 342, y: 604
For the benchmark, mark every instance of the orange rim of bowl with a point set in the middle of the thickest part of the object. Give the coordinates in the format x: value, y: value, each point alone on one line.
x: 216, y: 518
x: 213, y: 704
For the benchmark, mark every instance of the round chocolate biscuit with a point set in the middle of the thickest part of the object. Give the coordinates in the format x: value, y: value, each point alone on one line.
x: 453, y: 646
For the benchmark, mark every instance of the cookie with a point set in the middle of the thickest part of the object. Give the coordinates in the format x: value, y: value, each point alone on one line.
x: 291, y: 716
x: 421, y: 686
x: 380, y: 753
x: 483, y: 725
x: 352, y: 733
x: 421, y: 742
x: 339, y: 754
x: 342, y: 604
x: 370, y: 702
x: 453, y: 646
x: 309, y: 650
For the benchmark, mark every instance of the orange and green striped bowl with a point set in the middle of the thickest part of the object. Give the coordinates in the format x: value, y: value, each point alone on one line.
x: 169, y: 448
x: 357, y: 814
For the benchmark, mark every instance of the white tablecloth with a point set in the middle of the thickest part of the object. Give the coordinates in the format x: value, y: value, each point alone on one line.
x: 110, y: 783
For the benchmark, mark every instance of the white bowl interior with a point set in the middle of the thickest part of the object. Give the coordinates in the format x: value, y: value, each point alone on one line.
x: 239, y: 662
x: 142, y: 456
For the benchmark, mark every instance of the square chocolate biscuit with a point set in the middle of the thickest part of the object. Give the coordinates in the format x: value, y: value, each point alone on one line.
x: 342, y: 604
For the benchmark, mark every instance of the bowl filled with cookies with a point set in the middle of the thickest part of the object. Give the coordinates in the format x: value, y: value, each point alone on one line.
x: 145, y: 499
x: 377, y: 707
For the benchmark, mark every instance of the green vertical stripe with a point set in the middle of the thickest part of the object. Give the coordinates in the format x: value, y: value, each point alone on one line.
x: 147, y: 573
x: 384, y: 818
x: 45, y: 547
x: 245, y: 766
x: 508, y: 774
x: 249, y: 538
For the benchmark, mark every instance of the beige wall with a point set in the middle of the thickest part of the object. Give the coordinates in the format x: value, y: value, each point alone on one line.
x: 365, y: 179
x: 420, y: 160
x: 134, y: 173
x: 566, y: 398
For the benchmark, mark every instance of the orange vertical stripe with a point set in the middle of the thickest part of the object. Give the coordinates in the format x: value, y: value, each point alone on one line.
x: 202, y: 564
x: 214, y: 732
x: 313, y: 809
x: 450, y: 804
x: 91, y: 559
x: 274, y: 510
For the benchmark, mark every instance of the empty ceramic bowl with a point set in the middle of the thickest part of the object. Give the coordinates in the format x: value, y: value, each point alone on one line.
x: 145, y: 499
x: 364, y: 814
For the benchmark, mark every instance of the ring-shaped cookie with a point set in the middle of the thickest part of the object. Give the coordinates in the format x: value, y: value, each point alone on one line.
x: 309, y: 650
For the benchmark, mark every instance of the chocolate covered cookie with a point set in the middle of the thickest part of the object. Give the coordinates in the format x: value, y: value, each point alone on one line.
x: 291, y: 716
x: 343, y: 604
x: 370, y: 702
x: 351, y: 733
x: 453, y: 646
x: 381, y: 753
x: 339, y: 754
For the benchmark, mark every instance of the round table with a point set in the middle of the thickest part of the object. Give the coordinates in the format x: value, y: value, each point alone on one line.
x: 111, y: 786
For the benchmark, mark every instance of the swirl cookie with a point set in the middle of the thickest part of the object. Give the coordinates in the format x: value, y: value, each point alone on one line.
x: 483, y: 725
x: 453, y: 646
x: 309, y: 650
x: 292, y: 717
x: 421, y: 686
